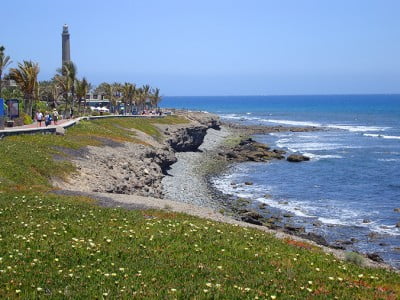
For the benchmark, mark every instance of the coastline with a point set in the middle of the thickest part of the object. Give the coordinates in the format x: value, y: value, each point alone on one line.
x: 189, y: 169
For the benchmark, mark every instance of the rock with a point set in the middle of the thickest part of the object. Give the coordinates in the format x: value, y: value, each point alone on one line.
x: 60, y: 130
x: 253, y: 214
x: 373, y: 235
x: 272, y: 226
x: 263, y: 206
x: 297, y: 158
x: 231, y: 155
x: 396, y: 209
x: 294, y: 229
x: 319, y: 239
x: 288, y: 215
x: 250, y: 150
x: 383, y: 244
x: 187, y: 138
x: 251, y: 220
x: 283, y: 202
x: 267, y: 196
x: 375, y: 257
x: 343, y: 242
x: 366, y: 221
x: 317, y: 223
x: 278, y: 151
x: 248, y: 183
x: 398, y: 225
x: 242, y: 201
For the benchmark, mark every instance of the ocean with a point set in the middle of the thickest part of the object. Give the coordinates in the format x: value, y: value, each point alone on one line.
x: 351, y: 185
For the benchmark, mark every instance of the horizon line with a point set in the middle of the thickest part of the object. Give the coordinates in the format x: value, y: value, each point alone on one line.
x: 291, y: 95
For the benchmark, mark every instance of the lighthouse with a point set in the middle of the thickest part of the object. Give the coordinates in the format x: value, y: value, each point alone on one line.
x: 66, y: 56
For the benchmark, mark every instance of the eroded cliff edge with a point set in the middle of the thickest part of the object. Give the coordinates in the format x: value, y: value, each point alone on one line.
x: 138, y: 168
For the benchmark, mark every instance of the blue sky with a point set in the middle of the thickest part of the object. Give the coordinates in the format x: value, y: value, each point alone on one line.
x: 254, y: 47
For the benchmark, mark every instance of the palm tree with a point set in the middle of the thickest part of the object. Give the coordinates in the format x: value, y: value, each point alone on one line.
x: 116, y: 90
x: 81, y: 88
x: 155, y: 97
x: 49, y: 92
x: 128, y: 92
x: 146, y: 94
x: 139, y: 99
x: 68, y: 71
x: 110, y: 92
x: 64, y: 87
x: 5, y: 61
x: 26, y: 77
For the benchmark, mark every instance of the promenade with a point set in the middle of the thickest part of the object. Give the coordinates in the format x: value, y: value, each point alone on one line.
x: 34, y: 128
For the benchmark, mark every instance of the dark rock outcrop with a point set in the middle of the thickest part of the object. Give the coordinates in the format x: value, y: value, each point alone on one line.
x: 319, y: 239
x: 375, y: 257
x: 187, y: 138
x: 297, y: 158
x: 250, y: 150
x: 293, y: 229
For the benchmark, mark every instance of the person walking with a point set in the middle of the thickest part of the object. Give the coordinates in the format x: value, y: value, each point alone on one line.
x: 55, y: 116
x: 39, y: 118
x: 47, y: 119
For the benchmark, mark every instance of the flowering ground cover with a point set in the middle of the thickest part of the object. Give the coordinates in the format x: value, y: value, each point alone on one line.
x: 67, y: 247
x: 54, y: 246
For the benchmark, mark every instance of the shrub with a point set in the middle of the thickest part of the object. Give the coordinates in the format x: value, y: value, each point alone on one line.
x: 354, y: 258
x: 27, y: 119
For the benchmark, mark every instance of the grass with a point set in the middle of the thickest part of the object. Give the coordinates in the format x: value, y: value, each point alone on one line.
x: 27, y: 160
x: 67, y: 247
x: 61, y: 247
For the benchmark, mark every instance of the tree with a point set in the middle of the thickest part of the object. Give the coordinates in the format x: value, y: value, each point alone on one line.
x: 26, y: 77
x: 112, y: 92
x: 116, y: 91
x: 155, y: 97
x: 66, y: 79
x: 49, y: 92
x: 5, y: 61
x: 81, y: 88
x: 142, y: 95
x: 63, y: 85
x: 128, y: 91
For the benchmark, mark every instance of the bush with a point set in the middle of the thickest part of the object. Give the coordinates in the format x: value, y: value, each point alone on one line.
x: 27, y: 119
x: 95, y: 113
x: 23, y: 119
x: 354, y: 258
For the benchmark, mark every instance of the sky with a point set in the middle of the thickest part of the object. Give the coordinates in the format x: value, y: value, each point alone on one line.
x: 215, y: 47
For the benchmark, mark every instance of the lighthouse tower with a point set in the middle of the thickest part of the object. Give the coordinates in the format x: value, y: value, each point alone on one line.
x: 66, y: 56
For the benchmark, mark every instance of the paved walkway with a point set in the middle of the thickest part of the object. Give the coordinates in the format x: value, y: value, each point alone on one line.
x: 36, y: 124
x: 64, y: 123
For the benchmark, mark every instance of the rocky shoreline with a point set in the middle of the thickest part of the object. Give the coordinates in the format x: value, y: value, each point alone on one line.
x: 179, y: 168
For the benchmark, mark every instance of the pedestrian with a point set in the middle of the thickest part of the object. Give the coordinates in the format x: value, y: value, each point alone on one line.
x: 39, y: 118
x: 47, y: 119
x: 55, y: 116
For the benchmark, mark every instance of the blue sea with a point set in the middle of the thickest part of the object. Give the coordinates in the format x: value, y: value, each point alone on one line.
x: 351, y: 185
